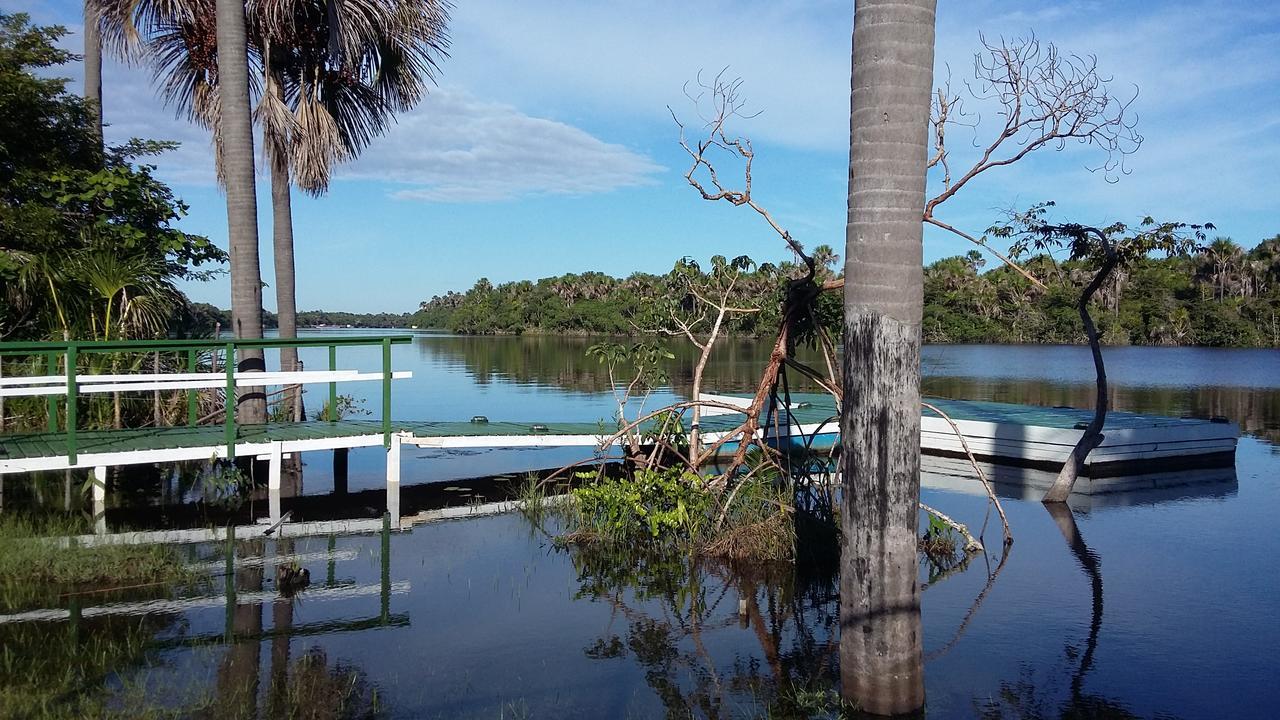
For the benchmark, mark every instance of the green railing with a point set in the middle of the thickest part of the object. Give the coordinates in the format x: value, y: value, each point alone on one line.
x: 70, y: 354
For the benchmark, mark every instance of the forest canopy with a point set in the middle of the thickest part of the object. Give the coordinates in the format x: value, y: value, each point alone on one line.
x: 1222, y: 295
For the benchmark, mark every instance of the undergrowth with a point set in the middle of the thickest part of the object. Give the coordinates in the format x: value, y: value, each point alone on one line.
x: 36, y: 571
x: 661, y: 509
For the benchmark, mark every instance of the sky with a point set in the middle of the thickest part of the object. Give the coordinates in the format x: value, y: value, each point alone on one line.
x: 548, y: 147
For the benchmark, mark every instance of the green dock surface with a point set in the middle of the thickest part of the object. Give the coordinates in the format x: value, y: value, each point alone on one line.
x: 811, y: 409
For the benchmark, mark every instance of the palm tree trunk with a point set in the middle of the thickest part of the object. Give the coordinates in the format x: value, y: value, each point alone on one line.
x: 282, y: 243
x: 236, y: 133
x: 93, y: 66
x: 880, y: 639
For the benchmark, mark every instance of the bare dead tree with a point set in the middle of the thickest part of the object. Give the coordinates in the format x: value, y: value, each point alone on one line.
x: 697, y: 310
x: 718, y: 102
x: 1042, y: 98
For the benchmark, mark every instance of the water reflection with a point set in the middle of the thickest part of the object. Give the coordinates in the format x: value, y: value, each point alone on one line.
x: 562, y: 361
x: 501, y: 618
x: 674, y: 611
x: 1243, y: 385
x: 1033, y: 695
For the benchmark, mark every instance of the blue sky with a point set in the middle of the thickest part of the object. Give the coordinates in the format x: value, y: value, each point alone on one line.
x: 548, y: 148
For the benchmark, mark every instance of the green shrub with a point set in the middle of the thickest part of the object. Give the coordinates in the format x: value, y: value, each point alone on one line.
x: 651, y: 505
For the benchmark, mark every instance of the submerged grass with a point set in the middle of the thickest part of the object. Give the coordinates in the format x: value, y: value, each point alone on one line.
x: 36, y: 571
x: 63, y: 670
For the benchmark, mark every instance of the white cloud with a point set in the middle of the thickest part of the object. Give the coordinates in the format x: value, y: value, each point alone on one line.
x: 457, y: 148
x: 131, y: 109
x: 452, y: 148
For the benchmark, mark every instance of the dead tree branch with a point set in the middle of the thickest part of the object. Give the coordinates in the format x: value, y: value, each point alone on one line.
x: 982, y: 476
x: 1045, y: 98
x: 971, y: 544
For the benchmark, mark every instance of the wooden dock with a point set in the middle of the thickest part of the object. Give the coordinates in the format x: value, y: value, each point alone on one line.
x: 1018, y: 435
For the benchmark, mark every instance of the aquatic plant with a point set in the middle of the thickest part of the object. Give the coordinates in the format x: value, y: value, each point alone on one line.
x: 346, y: 406
x: 37, y: 570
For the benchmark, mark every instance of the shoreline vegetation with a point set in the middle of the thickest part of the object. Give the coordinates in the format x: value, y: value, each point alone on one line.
x: 1221, y: 296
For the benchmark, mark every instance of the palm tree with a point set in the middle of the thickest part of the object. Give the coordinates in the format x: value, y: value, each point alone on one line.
x: 235, y: 132
x: 331, y: 78
x: 93, y: 64
x: 880, y: 640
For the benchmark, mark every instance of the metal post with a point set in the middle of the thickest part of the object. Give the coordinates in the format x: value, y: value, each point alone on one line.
x: 386, y: 392
x: 155, y: 396
x: 386, y: 568
x: 393, y: 480
x: 100, y: 500
x: 71, y: 403
x: 230, y: 419
x: 193, y: 402
x: 333, y: 386
x: 273, y: 481
x: 51, y: 366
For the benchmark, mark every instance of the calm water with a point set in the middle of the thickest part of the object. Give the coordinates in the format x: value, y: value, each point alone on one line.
x: 1165, y: 606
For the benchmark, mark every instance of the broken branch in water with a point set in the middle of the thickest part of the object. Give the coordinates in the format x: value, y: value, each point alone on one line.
x: 982, y: 476
x: 971, y: 544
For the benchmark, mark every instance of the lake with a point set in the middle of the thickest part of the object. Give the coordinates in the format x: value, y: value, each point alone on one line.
x: 1157, y: 605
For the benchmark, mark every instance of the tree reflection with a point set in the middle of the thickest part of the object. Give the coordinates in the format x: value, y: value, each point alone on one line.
x: 1031, y: 696
x: 672, y: 604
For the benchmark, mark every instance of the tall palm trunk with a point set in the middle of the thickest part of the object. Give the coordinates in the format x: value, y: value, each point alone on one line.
x: 282, y: 248
x: 880, y: 640
x: 93, y: 66
x: 236, y: 131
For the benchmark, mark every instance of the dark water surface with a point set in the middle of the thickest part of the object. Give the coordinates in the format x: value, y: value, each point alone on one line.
x: 1162, y: 605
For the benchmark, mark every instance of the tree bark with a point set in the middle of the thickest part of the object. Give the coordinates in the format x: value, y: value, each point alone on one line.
x: 1092, y: 437
x: 881, y: 655
x: 236, y: 130
x: 282, y: 246
x: 93, y: 67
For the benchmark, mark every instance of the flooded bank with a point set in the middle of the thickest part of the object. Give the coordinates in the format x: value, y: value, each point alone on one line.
x: 1148, y: 603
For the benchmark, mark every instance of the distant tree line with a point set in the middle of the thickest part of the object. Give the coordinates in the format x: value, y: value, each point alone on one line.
x: 594, y: 303
x: 1222, y: 295
x: 204, y: 319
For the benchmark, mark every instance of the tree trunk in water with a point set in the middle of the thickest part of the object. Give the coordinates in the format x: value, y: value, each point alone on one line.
x: 1092, y: 437
x: 93, y: 67
x: 282, y: 244
x: 236, y: 130
x: 881, y: 659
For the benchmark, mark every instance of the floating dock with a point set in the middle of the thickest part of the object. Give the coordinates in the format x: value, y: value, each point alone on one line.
x: 1027, y: 436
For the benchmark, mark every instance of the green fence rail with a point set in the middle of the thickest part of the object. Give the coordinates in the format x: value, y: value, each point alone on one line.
x: 68, y: 355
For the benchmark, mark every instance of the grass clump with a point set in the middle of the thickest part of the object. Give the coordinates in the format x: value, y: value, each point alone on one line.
x: 654, y: 509
x: 57, y: 671
x: 938, y: 542
x: 35, y: 570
